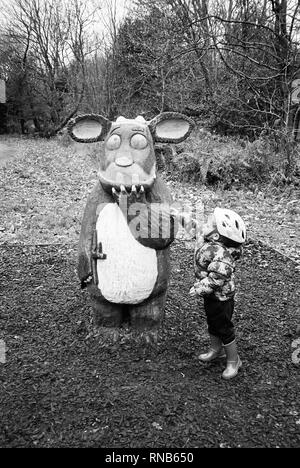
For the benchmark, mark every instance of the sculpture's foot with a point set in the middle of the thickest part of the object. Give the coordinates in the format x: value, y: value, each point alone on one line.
x: 146, y: 318
x: 107, y: 314
x: 118, y: 323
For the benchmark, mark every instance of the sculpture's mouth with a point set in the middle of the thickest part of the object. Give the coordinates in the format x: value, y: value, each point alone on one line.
x: 132, y: 177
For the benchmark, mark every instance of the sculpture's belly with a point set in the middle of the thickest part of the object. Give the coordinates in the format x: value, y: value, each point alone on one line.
x: 129, y: 273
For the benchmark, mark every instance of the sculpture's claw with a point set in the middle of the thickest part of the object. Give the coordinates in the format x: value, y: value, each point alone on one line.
x: 115, y: 195
x: 141, y: 195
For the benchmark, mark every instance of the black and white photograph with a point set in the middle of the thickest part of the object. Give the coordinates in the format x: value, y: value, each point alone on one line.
x: 150, y: 226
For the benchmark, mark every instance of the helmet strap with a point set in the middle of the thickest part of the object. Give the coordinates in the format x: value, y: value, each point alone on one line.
x: 214, y: 231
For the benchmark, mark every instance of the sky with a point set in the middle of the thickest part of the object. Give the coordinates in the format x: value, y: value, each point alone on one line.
x: 120, y: 7
x: 111, y: 7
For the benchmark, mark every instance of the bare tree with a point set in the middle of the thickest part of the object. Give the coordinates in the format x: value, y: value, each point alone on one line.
x: 111, y: 15
x: 53, y: 40
x: 256, y: 41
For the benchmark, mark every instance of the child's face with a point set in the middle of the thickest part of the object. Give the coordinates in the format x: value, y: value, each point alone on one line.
x: 209, y: 226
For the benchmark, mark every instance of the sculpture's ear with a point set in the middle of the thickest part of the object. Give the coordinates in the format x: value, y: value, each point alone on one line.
x: 171, y: 127
x: 89, y: 128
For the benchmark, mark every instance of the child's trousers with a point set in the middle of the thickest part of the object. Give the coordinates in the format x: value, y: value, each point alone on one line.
x: 219, y: 318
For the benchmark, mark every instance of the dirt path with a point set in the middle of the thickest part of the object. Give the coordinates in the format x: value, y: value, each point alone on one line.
x: 60, y: 388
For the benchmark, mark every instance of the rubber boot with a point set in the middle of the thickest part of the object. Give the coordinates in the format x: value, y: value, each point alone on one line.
x: 215, y: 351
x: 233, y: 361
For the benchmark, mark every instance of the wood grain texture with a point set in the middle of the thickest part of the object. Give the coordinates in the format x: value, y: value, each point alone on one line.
x: 129, y: 272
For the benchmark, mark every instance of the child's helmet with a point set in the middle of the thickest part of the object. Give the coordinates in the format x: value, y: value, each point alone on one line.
x: 230, y: 225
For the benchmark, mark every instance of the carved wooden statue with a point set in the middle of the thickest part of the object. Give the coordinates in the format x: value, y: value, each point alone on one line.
x: 127, y: 227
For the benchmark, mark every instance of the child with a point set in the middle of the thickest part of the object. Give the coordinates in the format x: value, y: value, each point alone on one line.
x: 223, y: 235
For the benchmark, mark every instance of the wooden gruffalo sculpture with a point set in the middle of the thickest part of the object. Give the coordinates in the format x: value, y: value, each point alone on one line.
x: 127, y: 227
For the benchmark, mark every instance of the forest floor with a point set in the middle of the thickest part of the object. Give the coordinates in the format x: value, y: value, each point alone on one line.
x: 6, y: 152
x: 61, y: 386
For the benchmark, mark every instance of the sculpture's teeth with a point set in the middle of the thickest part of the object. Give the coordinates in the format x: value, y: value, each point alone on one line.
x: 120, y: 178
x: 135, y: 179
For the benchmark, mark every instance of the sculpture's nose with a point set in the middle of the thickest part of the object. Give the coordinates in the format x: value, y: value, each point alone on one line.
x: 124, y: 161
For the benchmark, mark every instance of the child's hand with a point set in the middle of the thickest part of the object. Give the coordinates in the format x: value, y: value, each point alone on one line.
x: 203, y: 274
x: 200, y: 289
x: 186, y: 220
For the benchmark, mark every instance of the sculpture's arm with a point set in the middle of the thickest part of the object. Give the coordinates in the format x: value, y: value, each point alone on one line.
x: 154, y: 219
x: 84, y: 267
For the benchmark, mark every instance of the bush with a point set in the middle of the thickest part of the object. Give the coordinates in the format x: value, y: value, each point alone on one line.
x: 188, y: 167
x: 221, y: 160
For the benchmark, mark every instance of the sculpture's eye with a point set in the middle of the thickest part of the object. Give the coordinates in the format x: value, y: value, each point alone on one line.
x: 114, y: 142
x: 139, y: 142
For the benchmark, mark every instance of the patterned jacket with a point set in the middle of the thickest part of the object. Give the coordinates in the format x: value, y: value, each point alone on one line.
x: 214, y: 268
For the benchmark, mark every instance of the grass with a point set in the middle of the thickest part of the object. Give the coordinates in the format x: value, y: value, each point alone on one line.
x: 44, y: 190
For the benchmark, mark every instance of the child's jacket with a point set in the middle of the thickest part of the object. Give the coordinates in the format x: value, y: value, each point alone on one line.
x: 214, y: 267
